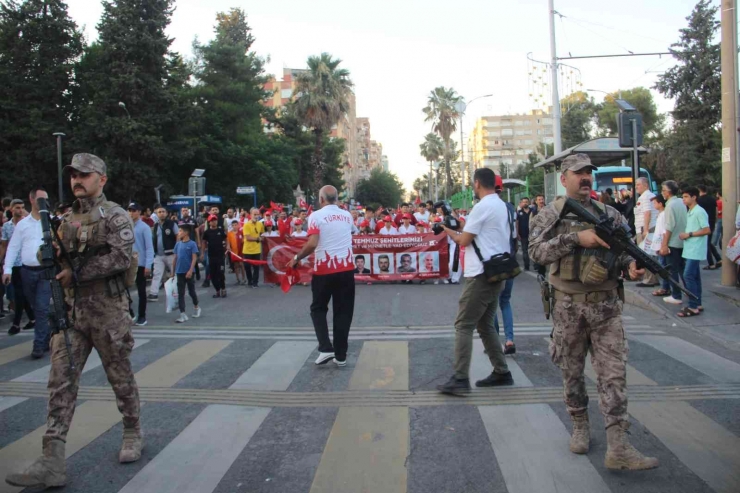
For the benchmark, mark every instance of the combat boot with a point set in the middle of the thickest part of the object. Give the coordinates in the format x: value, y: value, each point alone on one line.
x: 133, y: 442
x: 581, y: 436
x: 48, y: 470
x: 620, y: 454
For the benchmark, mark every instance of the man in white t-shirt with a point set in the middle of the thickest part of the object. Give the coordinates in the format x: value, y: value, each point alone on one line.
x: 330, y: 236
x: 645, y: 217
x: 487, y: 227
x: 422, y: 214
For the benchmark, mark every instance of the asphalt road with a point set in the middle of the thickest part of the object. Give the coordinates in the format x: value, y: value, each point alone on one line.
x: 233, y: 402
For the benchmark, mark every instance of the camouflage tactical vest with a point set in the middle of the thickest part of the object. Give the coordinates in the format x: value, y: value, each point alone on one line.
x: 581, y: 265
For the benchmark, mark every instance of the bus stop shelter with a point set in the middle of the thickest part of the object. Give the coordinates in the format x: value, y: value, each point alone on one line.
x: 602, y: 151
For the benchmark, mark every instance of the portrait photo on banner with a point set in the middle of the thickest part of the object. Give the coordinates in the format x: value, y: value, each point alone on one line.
x: 362, y: 263
x: 383, y: 263
x: 406, y: 262
x: 429, y: 262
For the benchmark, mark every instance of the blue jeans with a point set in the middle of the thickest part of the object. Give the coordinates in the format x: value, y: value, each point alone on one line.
x: 677, y: 262
x: 504, y: 301
x: 716, y: 238
x: 38, y: 293
x: 692, y: 280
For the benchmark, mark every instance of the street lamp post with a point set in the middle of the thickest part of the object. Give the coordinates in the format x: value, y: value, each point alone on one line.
x: 123, y: 105
x: 59, y: 136
x: 436, y: 187
x: 460, y: 107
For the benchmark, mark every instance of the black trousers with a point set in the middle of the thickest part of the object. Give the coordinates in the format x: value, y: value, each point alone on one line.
x: 340, y: 289
x: 181, y: 282
x: 216, y: 269
x: 253, y: 271
x: 141, y: 289
x: 525, y: 251
x: 712, y: 250
x: 19, y: 298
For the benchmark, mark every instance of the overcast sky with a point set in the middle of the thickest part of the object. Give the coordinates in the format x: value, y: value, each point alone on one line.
x: 398, y: 51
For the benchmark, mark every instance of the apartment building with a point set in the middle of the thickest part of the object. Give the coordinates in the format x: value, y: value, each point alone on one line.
x: 503, y: 142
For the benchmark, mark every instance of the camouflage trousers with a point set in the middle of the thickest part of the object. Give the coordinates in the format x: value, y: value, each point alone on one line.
x: 103, y: 323
x: 578, y: 328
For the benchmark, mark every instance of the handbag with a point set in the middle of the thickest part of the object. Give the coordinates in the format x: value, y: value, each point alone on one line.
x: 502, y: 266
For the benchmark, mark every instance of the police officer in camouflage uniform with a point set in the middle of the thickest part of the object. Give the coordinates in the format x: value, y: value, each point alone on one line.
x: 99, y: 235
x: 587, y: 313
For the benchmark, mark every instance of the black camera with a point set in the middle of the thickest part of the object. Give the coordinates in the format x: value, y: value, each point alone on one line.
x: 448, y: 219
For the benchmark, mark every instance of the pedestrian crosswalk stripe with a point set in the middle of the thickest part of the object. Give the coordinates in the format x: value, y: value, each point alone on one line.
x: 277, y: 367
x: 366, y: 452
x: 704, y: 446
x: 531, y: 447
x: 480, y: 367
x: 15, y: 352
x: 168, y: 370
x: 42, y: 375
x: 200, y: 456
x: 93, y: 361
x: 197, y: 459
x: 382, y: 365
x: 368, y: 446
x: 706, y: 362
x: 93, y: 418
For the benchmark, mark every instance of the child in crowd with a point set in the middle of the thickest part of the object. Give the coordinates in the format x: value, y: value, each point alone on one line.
x: 298, y: 229
x: 185, y: 258
x: 270, y: 229
x: 234, y: 245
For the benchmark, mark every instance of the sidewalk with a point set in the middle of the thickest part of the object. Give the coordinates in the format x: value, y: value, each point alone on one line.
x: 720, y: 319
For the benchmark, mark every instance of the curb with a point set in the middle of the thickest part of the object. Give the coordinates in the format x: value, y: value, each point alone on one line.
x: 634, y: 298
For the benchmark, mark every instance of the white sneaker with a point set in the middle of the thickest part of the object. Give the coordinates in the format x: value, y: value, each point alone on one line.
x: 324, y: 358
x: 340, y: 363
x: 672, y: 300
x: 141, y: 323
x: 183, y: 318
x: 196, y: 313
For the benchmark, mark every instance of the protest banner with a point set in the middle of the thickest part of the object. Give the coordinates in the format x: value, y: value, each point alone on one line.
x: 376, y: 257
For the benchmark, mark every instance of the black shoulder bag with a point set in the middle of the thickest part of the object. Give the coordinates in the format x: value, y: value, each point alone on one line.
x: 502, y: 266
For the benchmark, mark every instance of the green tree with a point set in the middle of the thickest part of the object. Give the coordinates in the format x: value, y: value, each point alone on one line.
x: 440, y: 110
x: 642, y: 99
x: 382, y: 187
x: 133, y: 110
x: 534, y: 176
x: 228, y: 123
x: 323, y: 97
x: 39, y: 45
x: 431, y: 150
x: 577, y: 122
x: 693, y: 145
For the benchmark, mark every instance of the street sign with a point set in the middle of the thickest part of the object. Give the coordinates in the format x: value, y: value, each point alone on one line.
x: 244, y: 190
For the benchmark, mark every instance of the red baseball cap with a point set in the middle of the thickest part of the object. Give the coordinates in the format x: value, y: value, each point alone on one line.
x: 212, y: 217
x: 499, y: 182
x: 297, y: 222
x: 269, y: 223
x: 387, y: 218
x: 365, y: 223
x: 406, y: 216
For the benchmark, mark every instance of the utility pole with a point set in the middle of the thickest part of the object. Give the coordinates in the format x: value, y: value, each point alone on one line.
x: 730, y: 183
x: 59, y: 136
x: 556, y: 116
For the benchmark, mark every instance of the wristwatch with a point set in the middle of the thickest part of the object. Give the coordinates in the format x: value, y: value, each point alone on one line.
x: 295, y: 258
x: 691, y: 235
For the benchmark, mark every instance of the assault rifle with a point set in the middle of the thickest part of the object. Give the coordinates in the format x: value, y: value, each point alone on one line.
x: 58, y: 318
x: 618, y: 237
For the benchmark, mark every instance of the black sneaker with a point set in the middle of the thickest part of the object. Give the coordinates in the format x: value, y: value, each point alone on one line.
x: 37, y: 353
x: 455, y: 386
x: 206, y: 284
x: 30, y: 325
x: 496, y: 380
x: 13, y: 330
x: 152, y: 297
x: 510, y: 349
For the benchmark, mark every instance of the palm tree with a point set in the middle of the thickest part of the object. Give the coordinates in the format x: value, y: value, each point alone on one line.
x: 431, y: 150
x: 440, y: 110
x: 323, y: 97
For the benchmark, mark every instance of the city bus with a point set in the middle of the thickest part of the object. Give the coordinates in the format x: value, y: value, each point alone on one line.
x: 618, y: 178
